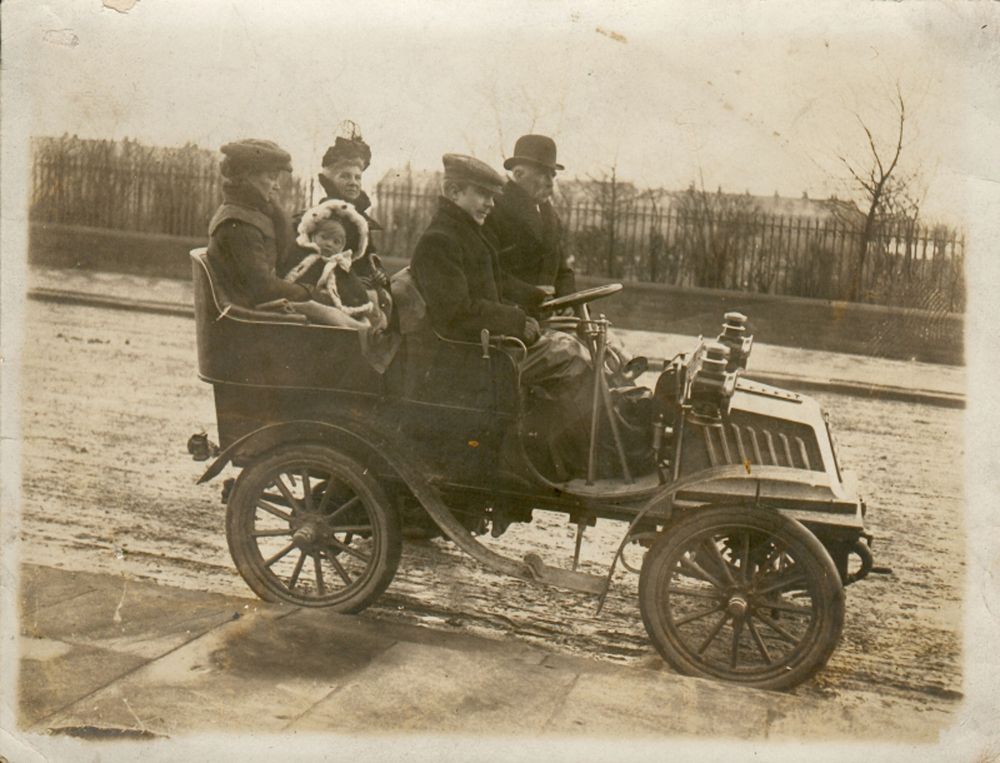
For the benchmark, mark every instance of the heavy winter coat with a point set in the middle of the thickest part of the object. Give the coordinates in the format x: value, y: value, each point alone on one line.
x: 529, y: 241
x: 247, y: 235
x: 456, y: 270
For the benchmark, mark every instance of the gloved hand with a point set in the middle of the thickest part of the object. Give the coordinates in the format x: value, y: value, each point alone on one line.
x: 532, y: 331
x: 380, y: 279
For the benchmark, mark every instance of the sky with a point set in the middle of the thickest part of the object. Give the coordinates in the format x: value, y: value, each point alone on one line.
x: 758, y: 97
x: 762, y: 98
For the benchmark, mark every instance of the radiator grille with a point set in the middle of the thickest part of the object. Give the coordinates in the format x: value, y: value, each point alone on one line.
x: 733, y: 443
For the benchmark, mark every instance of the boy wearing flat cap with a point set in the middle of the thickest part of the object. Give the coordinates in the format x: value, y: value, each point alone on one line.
x: 526, y: 228
x: 455, y: 267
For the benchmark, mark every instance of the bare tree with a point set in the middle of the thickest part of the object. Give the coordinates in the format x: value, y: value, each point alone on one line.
x: 522, y: 105
x: 884, y: 190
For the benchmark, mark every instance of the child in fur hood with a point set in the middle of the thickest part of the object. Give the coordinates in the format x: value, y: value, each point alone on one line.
x: 333, y: 244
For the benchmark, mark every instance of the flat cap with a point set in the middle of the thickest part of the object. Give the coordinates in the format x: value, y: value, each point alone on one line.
x: 468, y: 169
x: 253, y: 155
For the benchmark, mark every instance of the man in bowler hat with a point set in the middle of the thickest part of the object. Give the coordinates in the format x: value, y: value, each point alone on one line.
x: 525, y: 226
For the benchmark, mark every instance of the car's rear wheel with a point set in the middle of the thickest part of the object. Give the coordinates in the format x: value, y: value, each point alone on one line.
x: 744, y: 595
x: 309, y: 526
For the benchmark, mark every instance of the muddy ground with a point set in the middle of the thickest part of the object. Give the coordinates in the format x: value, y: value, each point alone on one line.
x: 110, y: 398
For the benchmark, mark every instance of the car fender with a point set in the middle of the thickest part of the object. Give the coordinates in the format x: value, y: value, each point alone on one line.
x: 808, y: 496
x: 371, y: 447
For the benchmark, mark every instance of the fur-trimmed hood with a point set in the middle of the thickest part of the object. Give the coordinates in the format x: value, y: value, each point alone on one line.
x: 336, y: 275
x: 335, y: 209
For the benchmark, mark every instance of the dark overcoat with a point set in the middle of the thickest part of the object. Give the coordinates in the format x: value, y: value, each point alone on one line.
x: 245, y: 237
x: 456, y: 270
x: 529, y: 241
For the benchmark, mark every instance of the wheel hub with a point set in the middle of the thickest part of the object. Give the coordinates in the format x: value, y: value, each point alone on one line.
x: 306, y: 536
x: 737, y: 606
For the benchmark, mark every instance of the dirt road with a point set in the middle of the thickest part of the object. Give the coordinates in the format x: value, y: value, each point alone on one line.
x: 110, y: 398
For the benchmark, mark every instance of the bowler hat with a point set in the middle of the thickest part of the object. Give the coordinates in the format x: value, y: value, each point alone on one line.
x: 468, y: 169
x: 534, y: 149
x: 253, y: 155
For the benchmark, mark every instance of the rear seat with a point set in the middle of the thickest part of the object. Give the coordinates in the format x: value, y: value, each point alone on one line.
x: 213, y: 290
x: 239, y: 345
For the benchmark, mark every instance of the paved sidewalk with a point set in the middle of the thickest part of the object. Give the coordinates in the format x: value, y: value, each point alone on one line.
x: 106, y: 657
x: 785, y: 366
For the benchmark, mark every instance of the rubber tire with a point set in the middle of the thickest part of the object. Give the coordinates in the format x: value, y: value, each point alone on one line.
x: 388, y: 538
x: 829, y: 621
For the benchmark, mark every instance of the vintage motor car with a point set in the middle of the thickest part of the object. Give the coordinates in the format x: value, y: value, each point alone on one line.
x: 749, y: 528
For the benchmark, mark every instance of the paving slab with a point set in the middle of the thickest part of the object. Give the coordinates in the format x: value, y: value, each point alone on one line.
x: 416, y: 687
x: 40, y: 588
x: 647, y: 703
x: 422, y: 634
x: 54, y: 674
x: 251, y: 674
x: 278, y: 669
x: 786, y: 722
x: 122, y: 616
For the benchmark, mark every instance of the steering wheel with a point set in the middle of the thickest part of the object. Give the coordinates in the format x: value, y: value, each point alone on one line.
x: 581, y: 297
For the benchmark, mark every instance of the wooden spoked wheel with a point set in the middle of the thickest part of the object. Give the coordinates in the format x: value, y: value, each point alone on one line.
x: 744, y: 595
x: 309, y: 526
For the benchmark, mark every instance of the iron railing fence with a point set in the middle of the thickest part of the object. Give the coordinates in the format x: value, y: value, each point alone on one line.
x: 125, y: 185
x: 905, y: 264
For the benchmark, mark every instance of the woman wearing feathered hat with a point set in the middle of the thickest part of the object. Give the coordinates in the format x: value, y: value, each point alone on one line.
x: 343, y: 165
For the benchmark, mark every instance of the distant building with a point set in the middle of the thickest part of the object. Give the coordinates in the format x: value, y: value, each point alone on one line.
x: 573, y: 192
x: 832, y: 209
x: 802, y: 208
x: 405, y: 200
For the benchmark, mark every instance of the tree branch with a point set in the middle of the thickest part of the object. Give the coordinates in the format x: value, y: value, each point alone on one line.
x: 899, y: 140
x: 861, y: 181
x: 871, y: 145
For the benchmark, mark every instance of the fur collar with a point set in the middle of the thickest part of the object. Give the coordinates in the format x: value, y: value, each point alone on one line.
x: 362, y: 203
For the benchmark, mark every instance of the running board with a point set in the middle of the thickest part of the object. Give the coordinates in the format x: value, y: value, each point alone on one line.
x: 532, y: 569
x: 557, y: 576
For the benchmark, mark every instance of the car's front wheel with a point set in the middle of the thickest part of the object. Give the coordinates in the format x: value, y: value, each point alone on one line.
x: 742, y: 594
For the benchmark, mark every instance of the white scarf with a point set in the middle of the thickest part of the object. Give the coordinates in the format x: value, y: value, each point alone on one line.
x: 328, y: 279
